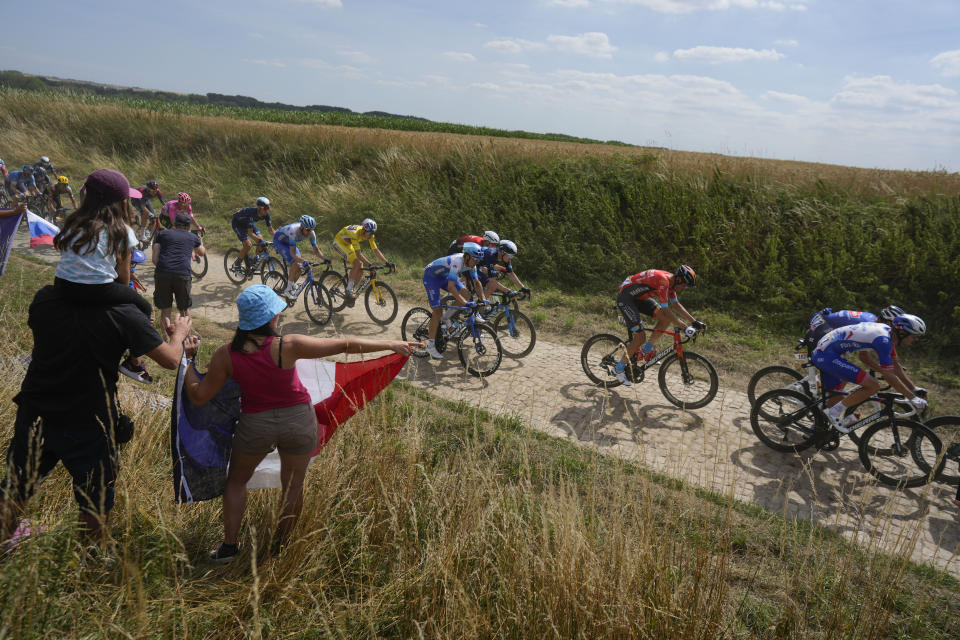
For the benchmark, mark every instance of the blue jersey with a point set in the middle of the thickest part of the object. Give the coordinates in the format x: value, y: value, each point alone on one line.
x: 858, y: 337
x: 290, y: 235
x: 21, y: 179
x: 449, y: 268
x: 489, y: 259
x: 247, y: 217
x: 836, y: 319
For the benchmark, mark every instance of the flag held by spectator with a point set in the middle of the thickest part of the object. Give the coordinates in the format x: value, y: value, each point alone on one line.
x: 8, y: 229
x: 41, y: 231
x: 201, y: 437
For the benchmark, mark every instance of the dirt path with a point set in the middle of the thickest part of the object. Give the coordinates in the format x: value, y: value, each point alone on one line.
x: 713, y: 447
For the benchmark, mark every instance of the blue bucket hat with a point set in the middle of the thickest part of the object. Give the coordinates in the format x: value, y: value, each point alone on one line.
x: 257, y: 304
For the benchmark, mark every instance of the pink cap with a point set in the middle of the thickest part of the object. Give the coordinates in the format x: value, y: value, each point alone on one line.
x: 110, y: 185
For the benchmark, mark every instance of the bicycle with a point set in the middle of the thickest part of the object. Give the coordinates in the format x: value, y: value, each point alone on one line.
x: 478, y: 346
x: 947, y: 429
x: 379, y: 299
x: 316, y: 299
x: 789, y: 421
x: 687, y: 379
x: 513, y: 327
x: 262, y: 263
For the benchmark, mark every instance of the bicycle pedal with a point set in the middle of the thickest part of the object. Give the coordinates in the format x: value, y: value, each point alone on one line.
x: 831, y: 442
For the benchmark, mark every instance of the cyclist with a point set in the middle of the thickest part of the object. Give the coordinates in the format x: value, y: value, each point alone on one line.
x: 244, y: 225
x: 20, y: 183
x: 148, y: 191
x: 168, y: 214
x: 487, y: 268
x: 45, y: 164
x: 285, y: 242
x: 41, y: 178
x: 488, y: 239
x: 54, y: 191
x: 884, y: 340
x: 652, y: 293
x: 347, y: 244
x: 443, y: 276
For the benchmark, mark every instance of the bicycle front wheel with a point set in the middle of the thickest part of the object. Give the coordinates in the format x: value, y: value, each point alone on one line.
x: 381, y: 303
x: 517, y: 340
x: 768, y: 378
x: 785, y: 420
x: 480, y: 354
x: 237, y: 274
x: 317, y: 302
x: 199, y: 266
x: 690, y: 383
x: 901, y: 453
x: 416, y: 328
x: 336, y: 286
x: 276, y: 280
x: 947, y: 429
x: 599, y: 356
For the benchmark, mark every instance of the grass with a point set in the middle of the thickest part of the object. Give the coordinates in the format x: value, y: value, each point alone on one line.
x: 429, y: 518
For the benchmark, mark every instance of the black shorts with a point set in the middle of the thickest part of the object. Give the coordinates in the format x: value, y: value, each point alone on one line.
x: 167, y: 286
x: 631, y: 308
x: 79, y: 442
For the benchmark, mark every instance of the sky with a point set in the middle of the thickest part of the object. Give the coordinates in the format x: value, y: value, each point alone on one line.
x: 868, y: 83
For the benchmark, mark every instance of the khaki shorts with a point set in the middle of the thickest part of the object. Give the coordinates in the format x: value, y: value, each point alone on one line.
x: 291, y: 430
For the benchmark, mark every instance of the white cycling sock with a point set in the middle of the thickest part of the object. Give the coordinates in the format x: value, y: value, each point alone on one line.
x: 447, y: 315
x: 836, y: 411
x: 350, y: 284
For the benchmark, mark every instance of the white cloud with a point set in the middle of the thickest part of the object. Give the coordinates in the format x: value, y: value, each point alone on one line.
x: 882, y: 93
x: 357, y: 57
x: 661, y: 56
x: 691, y: 6
x: 479, y: 25
x: 947, y: 63
x: 514, y: 45
x: 265, y: 63
x: 721, y: 55
x: 569, y: 3
x: 592, y: 44
x: 488, y: 86
x: 324, y: 4
x: 787, y: 43
x: 257, y: 36
x: 460, y: 56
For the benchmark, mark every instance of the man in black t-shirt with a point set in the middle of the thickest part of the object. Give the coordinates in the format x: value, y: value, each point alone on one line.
x: 172, y: 252
x: 67, y: 406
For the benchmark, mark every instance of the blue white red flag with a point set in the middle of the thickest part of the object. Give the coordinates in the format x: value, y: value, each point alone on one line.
x: 8, y: 229
x: 41, y: 231
x: 201, y: 437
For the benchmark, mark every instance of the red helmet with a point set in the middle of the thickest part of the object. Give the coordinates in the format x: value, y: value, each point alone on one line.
x: 183, y: 198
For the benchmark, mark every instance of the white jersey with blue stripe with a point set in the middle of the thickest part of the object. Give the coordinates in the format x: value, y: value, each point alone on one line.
x: 290, y: 234
x: 861, y: 336
x: 449, y: 268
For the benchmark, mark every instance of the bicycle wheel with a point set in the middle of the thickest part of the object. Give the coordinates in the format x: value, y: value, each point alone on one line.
x: 416, y: 328
x: 336, y: 286
x: 381, y: 303
x: 480, y: 354
x: 235, y: 274
x: 518, y: 341
x: 947, y: 429
x: 276, y: 280
x: 317, y: 301
x: 768, y: 378
x: 691, y: 386
x: 599, y: 356
x: 785, y: 420
x: 198, y: 266
x: 901, y: 453
x: 271, y: 264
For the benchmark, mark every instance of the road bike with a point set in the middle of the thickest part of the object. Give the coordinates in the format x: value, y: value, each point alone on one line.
x: 898, y: 451
x: 378, y: 297
x: 513, y: 327
x: 479, y: 348
x: 947, y: 429
x: 687, y: 379
x: 260, y: 264
x: 316, y: 299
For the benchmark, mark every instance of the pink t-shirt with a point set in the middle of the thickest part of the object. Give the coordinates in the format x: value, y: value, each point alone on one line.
x: 171, y: 209
x: 264, y: 385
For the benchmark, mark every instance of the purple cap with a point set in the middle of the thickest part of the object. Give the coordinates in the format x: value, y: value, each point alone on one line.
x: 110, y: 185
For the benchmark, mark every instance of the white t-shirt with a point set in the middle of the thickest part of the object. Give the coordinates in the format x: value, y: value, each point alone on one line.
x: 96, y: 267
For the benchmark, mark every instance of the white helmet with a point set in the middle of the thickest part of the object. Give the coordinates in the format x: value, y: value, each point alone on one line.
x: 263, y: 201
x: 491, y: 236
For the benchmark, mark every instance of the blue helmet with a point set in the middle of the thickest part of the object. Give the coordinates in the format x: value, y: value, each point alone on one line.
x: 369, y: 225
x: 307, y: 222
x: 686, y: 275
x: 138, y: 256
x: 27, y: 168
x: 473, y: 250
x: 910, y: 324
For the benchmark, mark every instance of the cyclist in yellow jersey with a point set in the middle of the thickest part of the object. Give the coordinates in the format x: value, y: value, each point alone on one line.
x: 347, y: 244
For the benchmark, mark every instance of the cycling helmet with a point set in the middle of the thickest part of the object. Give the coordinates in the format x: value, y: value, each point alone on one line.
x: 138, y: 256
x: 891, y: 312
x: 369, y: 225
x: 44, y: 159
x: 63, y: 179
x: 473, y: 250
x: 686, y: 275
x: 508, y: 246
x: 27, y: 168
x: 307, y: 222
x: 262, y: 201
x: 183, y: 197
x: 153, y: 184
x: 910, y: 324
x: 491, y: 236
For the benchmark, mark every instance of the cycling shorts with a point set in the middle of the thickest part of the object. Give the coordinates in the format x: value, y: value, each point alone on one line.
x: 286, y: 251
x: 141, y: 203
x: 242, y: 231
x: 835, y: 370
x: 347, y: 251
x: 631, y: 308
x: 436, y: 289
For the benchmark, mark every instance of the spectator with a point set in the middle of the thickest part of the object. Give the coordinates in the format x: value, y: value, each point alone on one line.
x: 173, y: 250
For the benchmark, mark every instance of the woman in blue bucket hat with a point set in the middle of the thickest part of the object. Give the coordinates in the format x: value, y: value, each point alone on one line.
x: 276, y: 407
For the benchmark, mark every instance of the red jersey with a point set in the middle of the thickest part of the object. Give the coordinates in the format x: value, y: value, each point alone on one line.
x: 651, y: 282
